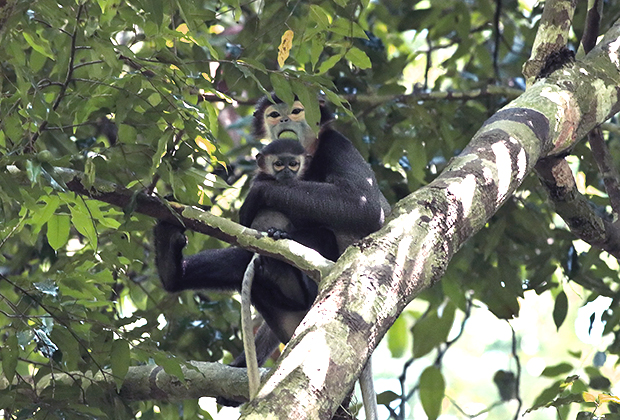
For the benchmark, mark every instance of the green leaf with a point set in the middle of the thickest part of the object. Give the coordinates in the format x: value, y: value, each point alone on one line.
x: 161, y: 151
x: 9, y: 353
x: 559, y: 369
x: 254, y: 64
x: 282, y: 88
x: 214, y: 126
x: 58, y: 227
x: 432, y: 330
x: 432, y: 389
x: 157, y: 10
x: 560, y: 309
x: 64, y: 338
x: 358, y: 58
x: 37, y: 61
x: 495, y: 233
x: 397, y: 337
x: 499, y: 298
x: 120, y: 359
x: 329, y: 63
x: 250, y: 75
x: 316, y: 48
x: 309, y: 99
x: 170, y: 364
x: 548, y: 397
x: 127, y: 134
x: 319, y: 16
x: 18, y: 55
x: 41, y: 214
x: 336, y: 101
x: 84, y: 224
x: 39, y: 44
x: 386, y: 397
x: 348, y: 28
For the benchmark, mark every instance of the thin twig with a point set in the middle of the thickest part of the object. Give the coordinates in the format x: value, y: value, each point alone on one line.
x: 64, y: 86
x: 496, y: 29
x: 518, y: 376
x: 88, y: 63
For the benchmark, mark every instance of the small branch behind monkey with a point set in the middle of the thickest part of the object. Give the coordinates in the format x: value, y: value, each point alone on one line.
x: 369, y: 396
x: 575, y: 209
x: 248, y: 333
x: 606, y: 167
x: 600, y: 151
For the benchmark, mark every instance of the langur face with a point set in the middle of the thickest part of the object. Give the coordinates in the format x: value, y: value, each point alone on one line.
x: 282, y: 121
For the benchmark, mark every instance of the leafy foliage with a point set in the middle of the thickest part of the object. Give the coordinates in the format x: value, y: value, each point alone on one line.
x: 157, y: 96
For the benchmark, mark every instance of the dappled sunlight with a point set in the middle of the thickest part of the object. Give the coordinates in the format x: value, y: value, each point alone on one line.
x: 614, y: 47
x: 504, y: 169
x: 464, y: 191
x: 316, y: 371
x: 589, y: 324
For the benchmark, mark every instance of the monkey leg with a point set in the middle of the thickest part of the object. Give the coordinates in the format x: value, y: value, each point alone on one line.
x: 214, y: 269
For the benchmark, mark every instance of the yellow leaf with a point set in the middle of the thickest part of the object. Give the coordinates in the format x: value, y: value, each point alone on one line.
x: 285, y: 47
x: 204, y: 144
x: 183, y: 28
x: 587, y: 397
x: 603, y: 398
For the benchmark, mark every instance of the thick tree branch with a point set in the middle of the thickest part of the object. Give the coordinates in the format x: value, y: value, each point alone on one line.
x: 607, y: 168
x: 557, y: 178
x: 306, y: 259
x: 600, y: 151
x: 373, y: 282
x: 592, y: 27
x: 552, y: 36
x: 151, y: 382
x: 583, y: 221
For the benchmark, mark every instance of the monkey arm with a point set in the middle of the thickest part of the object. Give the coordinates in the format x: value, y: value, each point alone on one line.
x: 220, y: 269
x: 252, y: 204
x: 339, y: 206
x: 339, y: 190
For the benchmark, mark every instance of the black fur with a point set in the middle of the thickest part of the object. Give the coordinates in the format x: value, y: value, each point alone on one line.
x: 338, y: 191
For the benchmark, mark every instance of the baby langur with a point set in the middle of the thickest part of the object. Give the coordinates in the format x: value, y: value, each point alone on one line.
x: 282, y: 160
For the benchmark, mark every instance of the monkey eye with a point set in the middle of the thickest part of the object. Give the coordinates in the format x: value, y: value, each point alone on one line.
x: 274, y: 114
x: 294, y: 165
x: 278, y: 165
x: 296, y: 111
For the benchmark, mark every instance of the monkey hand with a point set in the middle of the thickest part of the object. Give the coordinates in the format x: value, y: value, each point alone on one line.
x: 169, y: 243
x: 276, y: 233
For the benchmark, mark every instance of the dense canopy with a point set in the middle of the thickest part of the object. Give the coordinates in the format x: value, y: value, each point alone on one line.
x: 108, y: 106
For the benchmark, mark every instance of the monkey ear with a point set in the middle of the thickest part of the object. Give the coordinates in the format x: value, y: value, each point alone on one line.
x: 260, y: 160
